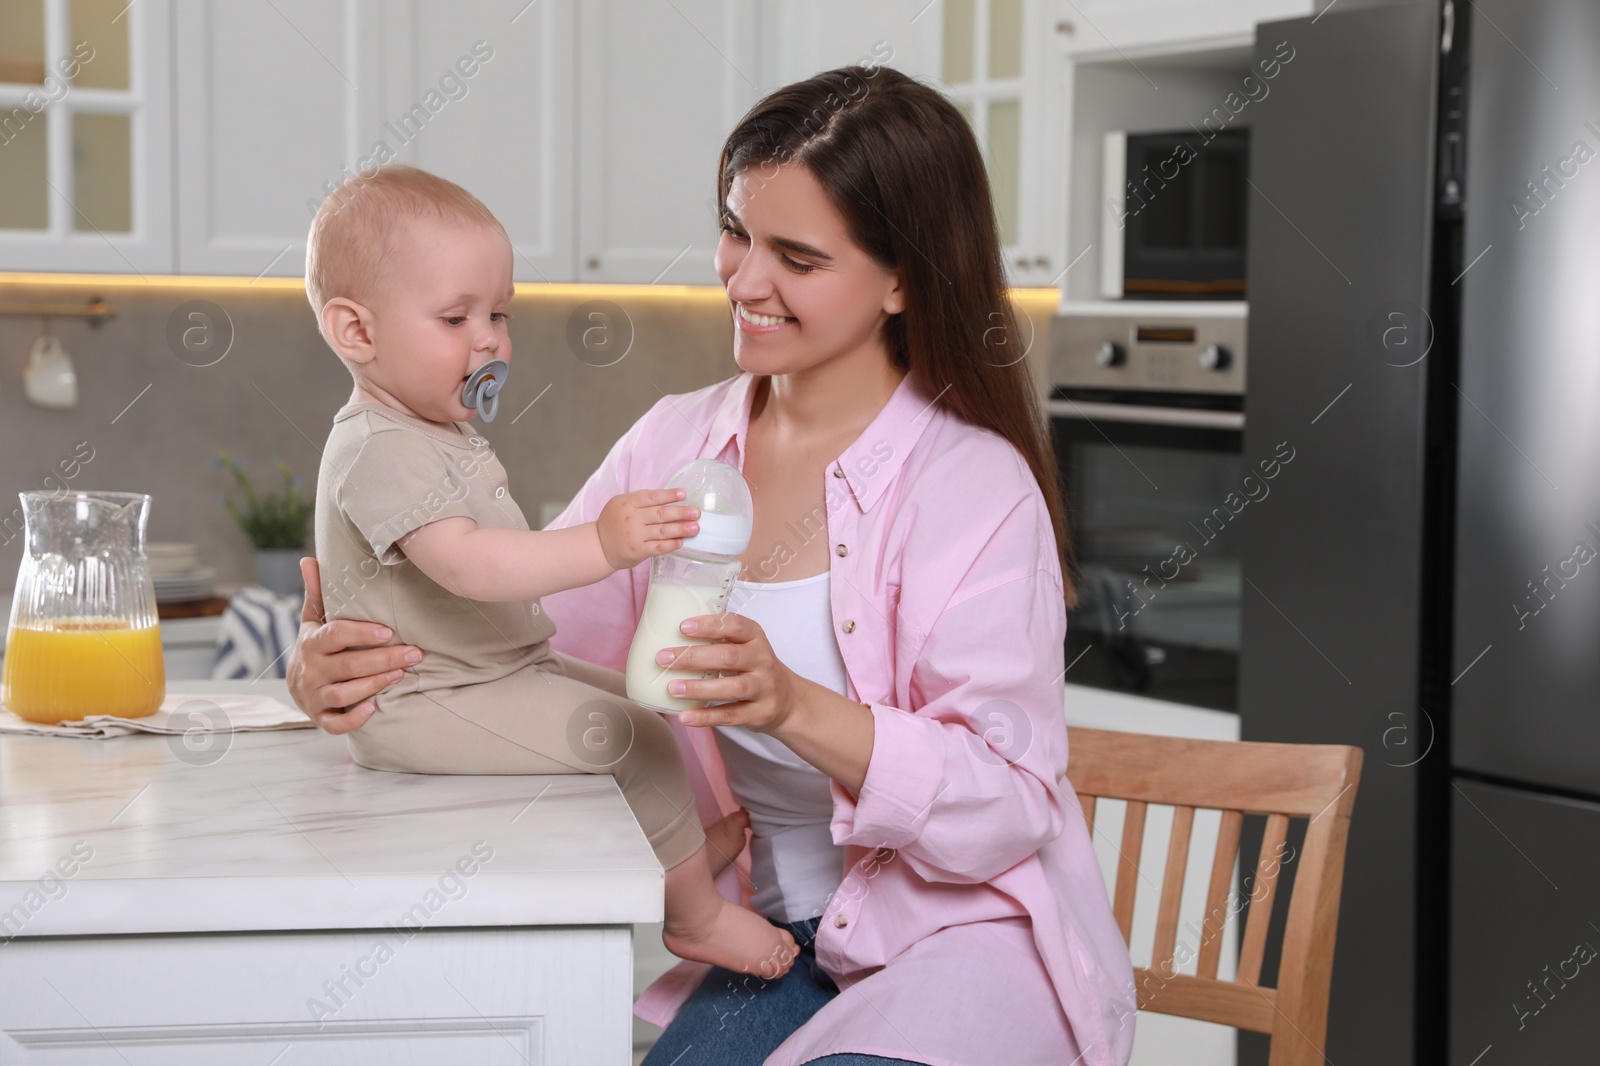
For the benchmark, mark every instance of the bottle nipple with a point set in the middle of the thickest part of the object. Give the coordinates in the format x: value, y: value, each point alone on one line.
x: 481, y: 393
x: 726, y: 510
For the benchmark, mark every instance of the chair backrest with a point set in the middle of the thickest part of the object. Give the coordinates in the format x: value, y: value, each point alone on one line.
x: 1281, y: 781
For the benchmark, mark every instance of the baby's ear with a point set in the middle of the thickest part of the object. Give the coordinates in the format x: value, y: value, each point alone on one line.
x: 347, y: 327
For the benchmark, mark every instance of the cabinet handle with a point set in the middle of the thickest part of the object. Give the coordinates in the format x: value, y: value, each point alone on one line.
x: 1066, y: 27
x: 1042, y: 261
x: 593, y: 263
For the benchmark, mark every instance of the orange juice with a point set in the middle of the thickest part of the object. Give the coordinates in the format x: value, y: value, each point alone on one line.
x: 68, y: 669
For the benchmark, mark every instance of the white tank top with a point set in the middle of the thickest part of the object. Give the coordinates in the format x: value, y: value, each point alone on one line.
x: 794, y: 862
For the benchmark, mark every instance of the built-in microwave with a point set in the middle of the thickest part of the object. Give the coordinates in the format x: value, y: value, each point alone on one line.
x: 1174, y: 223
x: 1147, y: 413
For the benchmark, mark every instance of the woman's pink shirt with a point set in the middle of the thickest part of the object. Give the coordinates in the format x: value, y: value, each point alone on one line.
x: 948, y: 611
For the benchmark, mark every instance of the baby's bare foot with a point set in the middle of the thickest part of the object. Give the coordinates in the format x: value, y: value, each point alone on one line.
x: 737, y: 940
x: 725, y: 840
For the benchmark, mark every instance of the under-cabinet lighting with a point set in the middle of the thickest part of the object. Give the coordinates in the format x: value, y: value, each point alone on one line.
x: 193, y: 282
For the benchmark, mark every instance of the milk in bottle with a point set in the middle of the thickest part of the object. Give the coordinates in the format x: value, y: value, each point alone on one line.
x: 693, y: 580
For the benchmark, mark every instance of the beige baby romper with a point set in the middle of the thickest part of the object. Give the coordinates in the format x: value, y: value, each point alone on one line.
x: 490, y: 695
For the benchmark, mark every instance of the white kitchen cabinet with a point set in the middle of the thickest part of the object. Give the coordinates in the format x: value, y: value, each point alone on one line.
x: 591, y: 129
x: 1130, y: 28
x: 799, y: 38
x: 262, y: 891
x: 279, y: 103
x: 274, y: 101
x: 506, y: 130
x: 85, y: 136
x: 489, y: 997
x: 660, y: 86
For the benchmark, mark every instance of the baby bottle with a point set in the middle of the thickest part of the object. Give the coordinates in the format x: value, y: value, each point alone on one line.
x: 693, y: 580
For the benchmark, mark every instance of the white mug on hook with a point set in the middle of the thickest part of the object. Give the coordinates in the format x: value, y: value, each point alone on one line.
x: 49, y: 379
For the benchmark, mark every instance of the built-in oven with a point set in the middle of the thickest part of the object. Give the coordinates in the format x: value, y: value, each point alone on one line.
x: 1147, y: 412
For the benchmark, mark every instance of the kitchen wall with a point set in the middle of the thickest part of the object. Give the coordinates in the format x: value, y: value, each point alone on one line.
x: 151, y: 419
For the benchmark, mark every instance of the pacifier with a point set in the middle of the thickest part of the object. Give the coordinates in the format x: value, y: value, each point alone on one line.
x: 481, y: 393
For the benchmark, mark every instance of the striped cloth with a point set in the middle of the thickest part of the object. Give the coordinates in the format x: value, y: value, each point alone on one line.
x: 258, y: 629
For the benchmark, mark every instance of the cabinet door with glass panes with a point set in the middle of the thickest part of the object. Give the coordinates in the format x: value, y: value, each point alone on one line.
x: 1000, y: 67
x: 85, y: 136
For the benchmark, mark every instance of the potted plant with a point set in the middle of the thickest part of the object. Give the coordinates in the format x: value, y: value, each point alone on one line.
x: 276, y: 524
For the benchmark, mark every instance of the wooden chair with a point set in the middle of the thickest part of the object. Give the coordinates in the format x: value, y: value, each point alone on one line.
x: 1282, y: 781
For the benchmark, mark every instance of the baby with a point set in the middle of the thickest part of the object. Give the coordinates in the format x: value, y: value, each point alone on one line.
x: 410, y: 276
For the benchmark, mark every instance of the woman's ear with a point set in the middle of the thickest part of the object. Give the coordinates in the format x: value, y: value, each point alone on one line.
x: 894, y: 301
x: 348, y: 327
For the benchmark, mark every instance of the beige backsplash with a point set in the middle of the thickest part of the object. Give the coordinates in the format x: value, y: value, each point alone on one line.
x: 274, y: 393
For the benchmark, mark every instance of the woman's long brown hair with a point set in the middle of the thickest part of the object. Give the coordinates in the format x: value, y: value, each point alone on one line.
x: 900, y: 164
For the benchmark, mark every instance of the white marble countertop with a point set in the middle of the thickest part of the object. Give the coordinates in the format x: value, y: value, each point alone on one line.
x: 141, y: 834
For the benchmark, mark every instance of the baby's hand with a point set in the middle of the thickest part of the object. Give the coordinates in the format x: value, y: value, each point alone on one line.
x: 641, y: 525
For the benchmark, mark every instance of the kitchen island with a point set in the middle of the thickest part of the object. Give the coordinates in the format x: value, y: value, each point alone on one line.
x: 260, y: 898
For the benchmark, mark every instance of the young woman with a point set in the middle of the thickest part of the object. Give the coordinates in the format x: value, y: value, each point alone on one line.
x: 891, y: 663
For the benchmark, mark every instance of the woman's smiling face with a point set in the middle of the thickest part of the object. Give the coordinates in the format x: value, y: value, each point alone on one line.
x: 802, y: 293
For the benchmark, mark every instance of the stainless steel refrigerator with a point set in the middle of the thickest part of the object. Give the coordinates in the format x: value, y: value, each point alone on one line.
x: 1424, y: 279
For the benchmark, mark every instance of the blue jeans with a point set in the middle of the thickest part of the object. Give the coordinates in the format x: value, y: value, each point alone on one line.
x: 735, y: 1019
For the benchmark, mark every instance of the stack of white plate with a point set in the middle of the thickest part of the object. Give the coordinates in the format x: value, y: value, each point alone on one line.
x: 177, y: 573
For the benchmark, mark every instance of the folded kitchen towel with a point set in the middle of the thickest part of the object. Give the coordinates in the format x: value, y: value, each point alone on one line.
x: 255, y: 635
x: 180, y: 713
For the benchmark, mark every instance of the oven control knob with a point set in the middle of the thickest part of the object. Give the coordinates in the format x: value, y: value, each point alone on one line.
x: 1214, y: 357
x: 1110, y: 353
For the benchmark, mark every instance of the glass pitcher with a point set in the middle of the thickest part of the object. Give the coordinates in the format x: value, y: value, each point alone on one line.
x: 83, y: 637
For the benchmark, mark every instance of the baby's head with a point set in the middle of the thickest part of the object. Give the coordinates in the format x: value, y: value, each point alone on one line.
x: 410, y: 276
